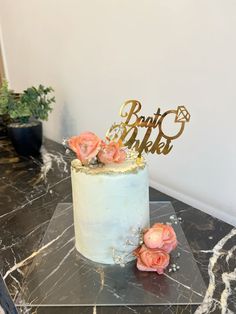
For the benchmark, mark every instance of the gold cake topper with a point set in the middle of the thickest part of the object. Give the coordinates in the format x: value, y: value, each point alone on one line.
x: 127, y: 131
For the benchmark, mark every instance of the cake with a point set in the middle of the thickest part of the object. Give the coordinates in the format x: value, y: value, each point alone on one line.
x: 111, y: 207
x: 110, y: 191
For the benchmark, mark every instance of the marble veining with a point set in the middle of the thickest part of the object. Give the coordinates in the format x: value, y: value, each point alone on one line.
x: 34, y: 254
x: 210, y: 304
x: 30, y: 190
x: 2, y: 310
x: 107, y: 284
x: 47, y: 163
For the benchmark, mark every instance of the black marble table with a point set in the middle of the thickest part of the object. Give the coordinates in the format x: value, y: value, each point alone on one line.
x: 30, y: 191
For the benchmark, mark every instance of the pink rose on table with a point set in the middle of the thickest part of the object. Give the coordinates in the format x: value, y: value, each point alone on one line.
x: 160, y: 236
x: 111, y: 153
x: 86, y: 146
x: 151, y: 259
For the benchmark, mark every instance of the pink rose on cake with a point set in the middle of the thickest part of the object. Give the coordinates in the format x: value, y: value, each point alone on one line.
x: 111, y: 153
x: 158, y: 241
x: 151, y: 259
x: 90, y: 149
x: 160, y: 236
x: 86, y: 146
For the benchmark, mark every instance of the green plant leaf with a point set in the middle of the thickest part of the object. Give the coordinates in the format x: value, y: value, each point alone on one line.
x: 34, y: 102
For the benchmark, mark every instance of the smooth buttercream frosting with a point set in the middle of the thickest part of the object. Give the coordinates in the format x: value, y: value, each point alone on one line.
x: 110, y: 209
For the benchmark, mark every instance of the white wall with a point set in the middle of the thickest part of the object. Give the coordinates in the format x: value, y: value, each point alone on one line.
x: 98, y: 53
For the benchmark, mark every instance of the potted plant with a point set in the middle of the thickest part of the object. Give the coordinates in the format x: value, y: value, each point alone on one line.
x: 5, y: 99
x: 26, y: 110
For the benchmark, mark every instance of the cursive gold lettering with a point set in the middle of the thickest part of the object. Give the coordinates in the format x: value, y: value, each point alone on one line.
x: 135, y: 108
x: 133, y: 121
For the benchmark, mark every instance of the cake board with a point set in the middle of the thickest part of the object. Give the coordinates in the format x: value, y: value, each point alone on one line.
x: 60, y: 276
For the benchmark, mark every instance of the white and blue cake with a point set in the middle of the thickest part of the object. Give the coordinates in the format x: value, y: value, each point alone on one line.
x: 111, y: 206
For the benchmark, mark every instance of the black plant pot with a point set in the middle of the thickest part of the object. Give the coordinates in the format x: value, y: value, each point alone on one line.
x: 26, y: 138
